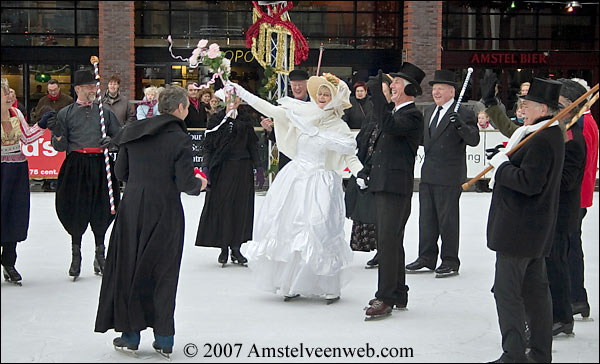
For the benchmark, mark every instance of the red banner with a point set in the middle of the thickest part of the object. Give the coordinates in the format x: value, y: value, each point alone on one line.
x: 43, y: 160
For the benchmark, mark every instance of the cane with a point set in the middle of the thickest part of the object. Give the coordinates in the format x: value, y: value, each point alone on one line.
x: 584, y: 108
x: 111, y: 198
x: 558, y: 116
x: 464, y: 88
x: 321, y: 49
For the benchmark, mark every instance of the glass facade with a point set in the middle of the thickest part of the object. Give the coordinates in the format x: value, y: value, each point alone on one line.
x: 49, y: 23
x: 529, y: 26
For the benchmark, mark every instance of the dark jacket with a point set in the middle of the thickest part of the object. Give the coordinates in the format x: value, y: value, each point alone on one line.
x: 570, y: 183
x: 360, y: 205
x: 63, y: 100
x: 197, y: 118
x: 120, y: 106
x: 445, y: 151
x: 359, y: 113
x: 391, y: 167
x: 524, y: 208
x: 144, y: 254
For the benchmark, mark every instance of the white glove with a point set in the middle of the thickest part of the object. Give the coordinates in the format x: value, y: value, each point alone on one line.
x: 498, y: 159
x: 243, y: 93
x: 361, y: 183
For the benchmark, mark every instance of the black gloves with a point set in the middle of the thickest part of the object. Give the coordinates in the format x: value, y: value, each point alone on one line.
x: 374, y: 83
x: 455, y: 120
x: 491, y: 152
x: 104, y: 142
x: 488, y: 89
x: 48, y: 120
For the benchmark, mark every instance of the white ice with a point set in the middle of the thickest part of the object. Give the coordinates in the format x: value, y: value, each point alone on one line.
x: 51, y: 319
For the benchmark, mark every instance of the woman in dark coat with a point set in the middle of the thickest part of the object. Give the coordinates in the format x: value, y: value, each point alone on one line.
x: 359, y: 113
x: 144, y: 255
x: 230, y: 154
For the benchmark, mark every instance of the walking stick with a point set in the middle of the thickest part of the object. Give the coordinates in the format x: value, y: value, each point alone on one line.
x: 464, y: 88
x: 584, y: 108
x: 558, y: 116
x: 321, y: 49
x: 111, y: 198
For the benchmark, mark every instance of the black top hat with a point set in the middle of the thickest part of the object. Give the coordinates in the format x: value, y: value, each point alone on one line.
x: 83, y: 77
x: 544, y: 91
x: 443, y: 76
x: 412, y: 74
x: 298, y: 75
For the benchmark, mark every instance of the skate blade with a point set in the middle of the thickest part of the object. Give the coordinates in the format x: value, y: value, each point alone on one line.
x: 400, y: 308
x: 289, y: 298
x: 331, y: 300
x: 446, y: 275
x: 240, y: 264
x: 126, y: 350
x: 564, y: 335
x: 15, y: 283
x: 74, y: 278
x: 583, y: 319
x: 166, y: 356
x: 420, y: 271
x: 377, y: 317
x: 371, y: 266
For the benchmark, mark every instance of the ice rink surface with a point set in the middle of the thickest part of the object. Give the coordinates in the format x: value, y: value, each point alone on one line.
x: 221, y: 317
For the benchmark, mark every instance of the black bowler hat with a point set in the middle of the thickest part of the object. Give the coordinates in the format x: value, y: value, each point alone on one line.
x: 412, y: 74
x: 443, y: 76
x: 544, y: 91
x: 298, y: 75
x: 84, y: 77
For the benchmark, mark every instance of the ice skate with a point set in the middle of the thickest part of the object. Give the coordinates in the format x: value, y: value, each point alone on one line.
x: 331, y: 298
x: 373, y: 263
x: 400, y: 306
x: 75, y: 269
x: 238, y: 258
x: 164, y: 352
x: 378, y: 310
x: 444, y: 271
x: 12, y: 276
x: 223, y: 257
x: 561, y: 327
x: 583, y: 309
x: 419, y: 266
x: 121, y: 345
x: 99, y: 261
x: 289, y: 297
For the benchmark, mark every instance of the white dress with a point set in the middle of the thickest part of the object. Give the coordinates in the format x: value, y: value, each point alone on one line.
x: 299, y: 244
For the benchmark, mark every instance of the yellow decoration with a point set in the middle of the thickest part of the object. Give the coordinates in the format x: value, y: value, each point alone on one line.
x: 262, y: 49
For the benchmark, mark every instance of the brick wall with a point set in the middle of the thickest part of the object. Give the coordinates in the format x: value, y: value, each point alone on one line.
x: 422, y: 38
x: 116, y: 44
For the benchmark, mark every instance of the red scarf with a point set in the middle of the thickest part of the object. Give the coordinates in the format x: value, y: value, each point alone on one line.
x: 196, y: 103
x: 52, y: 98
x: 150, y: 104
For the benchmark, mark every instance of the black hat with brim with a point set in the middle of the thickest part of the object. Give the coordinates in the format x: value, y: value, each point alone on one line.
x: 412, y: 74
x: 544, y: 91
x: 443, y: 76
x: 83, y: 77
x: 298, y: 75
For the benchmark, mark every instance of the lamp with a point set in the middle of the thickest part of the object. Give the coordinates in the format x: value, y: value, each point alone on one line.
x: 571, y: 5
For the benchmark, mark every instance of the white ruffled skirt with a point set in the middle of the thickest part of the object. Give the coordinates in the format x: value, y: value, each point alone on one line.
x: 299, y: 244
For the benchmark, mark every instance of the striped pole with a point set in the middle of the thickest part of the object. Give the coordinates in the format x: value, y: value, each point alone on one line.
x: 464, y: 88
x: 111, y: 197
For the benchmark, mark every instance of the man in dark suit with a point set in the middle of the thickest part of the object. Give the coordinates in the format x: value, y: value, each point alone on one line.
x: 298, y: 85
x: 389, y: 174
x: 445, y: 138
x: 521, y: 227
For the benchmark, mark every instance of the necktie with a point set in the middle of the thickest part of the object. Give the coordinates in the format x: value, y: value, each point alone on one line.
x: 434, y: 122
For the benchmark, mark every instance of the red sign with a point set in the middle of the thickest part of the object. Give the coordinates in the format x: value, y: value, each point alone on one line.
x: 509, y: 58
x: 43, y: 160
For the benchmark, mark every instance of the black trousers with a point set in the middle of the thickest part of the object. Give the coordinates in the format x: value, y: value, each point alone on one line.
x: 558, y: 277
x: 576, y: 266
x: 521, y: 290
x: 9, y: 254
x: 439, y: 216
x: 392, y: 214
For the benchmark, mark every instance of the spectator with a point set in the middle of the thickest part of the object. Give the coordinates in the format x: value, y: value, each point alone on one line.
x: 149, y: 106
x: 16, y: 104
x: 483, y: 121
x: 361, y: 108
x: 117, y: 103
x: 197, y: 117
x: 55, y: 99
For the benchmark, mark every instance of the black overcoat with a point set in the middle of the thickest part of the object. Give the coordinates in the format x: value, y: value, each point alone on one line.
x: 359, y: 113
x: 360, y: 204
x: 524, y: 207
x: 146, y: 244
x: 391, y: 167
x: 445, y: 151
x: 570, y: 184
x: 197, y: 118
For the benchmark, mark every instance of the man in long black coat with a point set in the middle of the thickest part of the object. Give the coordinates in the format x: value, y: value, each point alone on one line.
x: 446, y: 135
x: 521, y: 225
x: 146, y: 244
x: 389, y: 175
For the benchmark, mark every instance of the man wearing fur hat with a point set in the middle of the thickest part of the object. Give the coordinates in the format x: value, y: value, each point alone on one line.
x: 521, y: 226
x: 446, y: 135
x: 82, y: 191
x: 389, y: 175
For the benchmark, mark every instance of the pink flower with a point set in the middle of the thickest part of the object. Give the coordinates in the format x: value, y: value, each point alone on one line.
x: 202, y: 43
x: 194, y: 59
x: 213, y: 51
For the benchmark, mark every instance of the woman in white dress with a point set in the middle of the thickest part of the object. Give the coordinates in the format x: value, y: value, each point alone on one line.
x: 299, y: 245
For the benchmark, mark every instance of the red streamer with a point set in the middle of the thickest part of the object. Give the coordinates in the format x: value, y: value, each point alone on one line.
x: 301, y: 52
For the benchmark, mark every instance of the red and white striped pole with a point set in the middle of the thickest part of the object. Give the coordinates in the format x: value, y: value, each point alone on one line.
x: 111, y: 197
